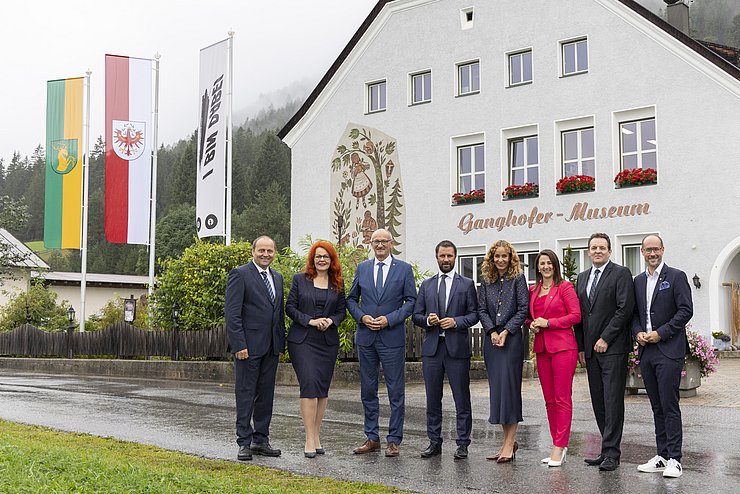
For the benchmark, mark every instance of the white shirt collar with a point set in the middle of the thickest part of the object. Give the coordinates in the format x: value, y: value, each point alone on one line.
x: 385, y: 262
x: 657, y: 270
x: 450, y: 274
x: 259, y: 268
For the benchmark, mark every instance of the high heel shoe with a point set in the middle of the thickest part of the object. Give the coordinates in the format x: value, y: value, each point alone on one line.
x: 553, y: 463
x: 493, y: 457
x: 508, y: 459
x: 309, y: 454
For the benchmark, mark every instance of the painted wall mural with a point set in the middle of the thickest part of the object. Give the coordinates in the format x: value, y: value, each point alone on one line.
x: 366, y: 188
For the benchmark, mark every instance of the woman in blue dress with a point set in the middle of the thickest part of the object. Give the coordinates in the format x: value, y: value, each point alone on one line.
x: 503, y: 304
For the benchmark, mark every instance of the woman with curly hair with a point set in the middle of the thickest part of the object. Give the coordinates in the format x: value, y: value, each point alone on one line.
x: 503, y: 304
x: 316, y: 304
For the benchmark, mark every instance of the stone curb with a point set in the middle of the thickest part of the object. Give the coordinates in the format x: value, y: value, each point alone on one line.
x: 345, y: 373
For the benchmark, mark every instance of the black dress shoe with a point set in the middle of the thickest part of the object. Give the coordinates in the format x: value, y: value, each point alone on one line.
x: 244, y: 454
x: 264, y: 449
x: 320, y: 451
x: 309, y: 454
x: 609, y: 464
x: 594, y: 462
x: 432, y: 450
x: 461, y: 452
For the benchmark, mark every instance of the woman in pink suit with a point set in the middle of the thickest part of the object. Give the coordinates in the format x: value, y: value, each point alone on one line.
x: 554, y: 309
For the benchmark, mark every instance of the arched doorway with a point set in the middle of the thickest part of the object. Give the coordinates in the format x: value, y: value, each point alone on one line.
x: 724, y: 306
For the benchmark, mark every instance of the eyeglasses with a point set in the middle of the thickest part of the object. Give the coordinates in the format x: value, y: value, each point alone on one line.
x: 322, y: 257
x: 652, y: 250
x: 380, y: 242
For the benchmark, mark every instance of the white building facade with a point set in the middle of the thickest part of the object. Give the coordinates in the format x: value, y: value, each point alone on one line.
x: 488, y: 95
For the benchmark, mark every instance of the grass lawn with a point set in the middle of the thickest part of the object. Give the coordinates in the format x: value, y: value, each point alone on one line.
x: 36, y: 459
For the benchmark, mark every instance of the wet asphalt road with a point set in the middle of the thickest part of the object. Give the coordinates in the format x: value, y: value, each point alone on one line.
x: 198, y: 418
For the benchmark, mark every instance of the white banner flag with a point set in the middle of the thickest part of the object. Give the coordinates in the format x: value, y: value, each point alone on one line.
x: 210, y: 202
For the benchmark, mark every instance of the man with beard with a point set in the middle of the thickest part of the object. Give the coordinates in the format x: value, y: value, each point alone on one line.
x: 446, y: 307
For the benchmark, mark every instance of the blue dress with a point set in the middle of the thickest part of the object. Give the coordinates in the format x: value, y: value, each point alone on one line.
x: 504, y: 304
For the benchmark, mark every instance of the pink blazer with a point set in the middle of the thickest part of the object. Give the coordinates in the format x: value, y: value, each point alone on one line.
x: 563, y: 311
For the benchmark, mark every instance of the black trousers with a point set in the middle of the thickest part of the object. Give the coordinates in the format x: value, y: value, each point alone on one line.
x: 662, y: 377
x: 458, y: 375
x: 255, y: 391
x: 607, y: 375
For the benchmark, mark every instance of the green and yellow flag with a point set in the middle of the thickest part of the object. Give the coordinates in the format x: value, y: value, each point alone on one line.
x: 63, y: 205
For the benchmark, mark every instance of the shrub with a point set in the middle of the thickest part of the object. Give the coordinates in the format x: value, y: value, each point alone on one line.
x: 43, y: 310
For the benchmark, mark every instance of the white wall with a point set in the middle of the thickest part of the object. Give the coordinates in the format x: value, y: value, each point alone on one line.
x: 632, y: 64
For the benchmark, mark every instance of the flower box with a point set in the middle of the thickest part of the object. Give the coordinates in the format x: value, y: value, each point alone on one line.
x: 529, y: 189
x: 636, y: 176
x: 575, y: 183
x: 690, y: 379
x: 472, y: 197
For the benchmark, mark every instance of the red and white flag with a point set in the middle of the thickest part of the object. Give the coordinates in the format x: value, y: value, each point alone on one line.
x: 128, y: 149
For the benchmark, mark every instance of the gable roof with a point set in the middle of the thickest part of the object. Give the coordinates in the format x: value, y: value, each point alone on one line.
x: 690, y: 42
x: 21, y: 255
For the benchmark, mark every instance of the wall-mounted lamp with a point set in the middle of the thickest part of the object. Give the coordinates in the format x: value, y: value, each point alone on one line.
x: 697, y: 281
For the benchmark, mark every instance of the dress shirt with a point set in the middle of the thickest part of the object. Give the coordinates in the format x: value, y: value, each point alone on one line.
x: 652, y: 282
x: 591, y: 276
x: 448, y: 283
x: 269, y: 276
x: 386, y: 268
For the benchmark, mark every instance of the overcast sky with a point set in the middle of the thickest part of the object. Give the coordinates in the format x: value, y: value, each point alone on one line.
x: 276, y: 43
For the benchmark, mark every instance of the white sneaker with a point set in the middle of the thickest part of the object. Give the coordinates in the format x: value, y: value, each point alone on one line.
x: 673, y: 469
x: 655, y: 464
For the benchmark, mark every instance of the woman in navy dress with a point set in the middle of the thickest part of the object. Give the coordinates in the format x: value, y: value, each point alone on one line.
x: 316, y: 305
x: 503, y: 304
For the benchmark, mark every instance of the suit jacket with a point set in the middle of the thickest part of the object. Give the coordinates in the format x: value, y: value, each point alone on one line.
x: 512, y: 312
x: 252, y: 320
x: 395, y: 301
x: 671, y: 309
x: 562, y: 311
x: 462, y: 306
x: 301, y: 308
x: 610, y: 315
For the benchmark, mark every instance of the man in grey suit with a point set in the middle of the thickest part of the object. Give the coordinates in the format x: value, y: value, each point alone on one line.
x: 381, y: 299
x: 255, y: 323
x: 447, y: 306
x: 607, y: 300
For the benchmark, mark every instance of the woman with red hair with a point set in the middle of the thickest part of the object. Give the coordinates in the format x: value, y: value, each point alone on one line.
x: 316, y: 304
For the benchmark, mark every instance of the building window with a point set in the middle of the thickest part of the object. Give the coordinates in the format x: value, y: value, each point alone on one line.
x: 580, y: 254
x: 470, y: 267
x: 524, y: 161
x: 466, y: 18
x: 421, y: 88
x: 578, y: 152
x: 376, y: 96
x: 520, y: 68
x: 633, y: 259
x: 471, y: 168
x: 638, y: 144
x: 575, y: 57
x: 529, y: 268
x: 468, y: 78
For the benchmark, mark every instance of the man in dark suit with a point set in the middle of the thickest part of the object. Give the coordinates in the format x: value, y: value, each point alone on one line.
x: 663, y: 307
x: 255, y: 323
x: 381, y: 298
x: 607, y: 300
x: 447, y: 306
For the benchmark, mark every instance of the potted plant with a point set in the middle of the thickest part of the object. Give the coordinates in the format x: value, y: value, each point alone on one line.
x: 636, y: 176
x: 699, y: 362
x: 472, y: 197
x: 575, y: 183
x: 720, y: 341
x: 528, y: 189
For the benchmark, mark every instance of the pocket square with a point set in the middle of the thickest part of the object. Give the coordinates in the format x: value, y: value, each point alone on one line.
x: 664, y: 285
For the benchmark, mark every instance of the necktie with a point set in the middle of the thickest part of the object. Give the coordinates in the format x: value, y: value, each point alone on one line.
x: 379, y: 277
x: 592, y: 292
x: 269, y: 287
x: 442, y: 297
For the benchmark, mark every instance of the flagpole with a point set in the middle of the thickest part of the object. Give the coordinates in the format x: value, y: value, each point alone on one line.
x: 85, y: 193
x: 153, y: 192
x: 229, y: 136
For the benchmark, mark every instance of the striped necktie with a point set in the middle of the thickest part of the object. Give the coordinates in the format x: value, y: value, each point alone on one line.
x: 269, y: 286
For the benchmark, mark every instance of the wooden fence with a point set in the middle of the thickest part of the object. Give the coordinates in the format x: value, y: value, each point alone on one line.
x: 122, y: 340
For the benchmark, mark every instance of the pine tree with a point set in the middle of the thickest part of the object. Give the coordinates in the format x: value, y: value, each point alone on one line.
x: 570, y: 268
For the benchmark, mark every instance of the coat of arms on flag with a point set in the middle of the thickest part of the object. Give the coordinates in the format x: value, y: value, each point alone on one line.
x: 64, y: 156
x: 128, y: 139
